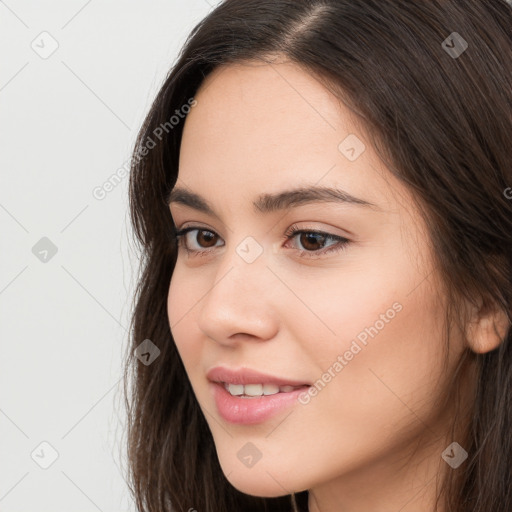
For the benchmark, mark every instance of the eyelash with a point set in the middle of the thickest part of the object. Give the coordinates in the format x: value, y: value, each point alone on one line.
x: 291, y: 233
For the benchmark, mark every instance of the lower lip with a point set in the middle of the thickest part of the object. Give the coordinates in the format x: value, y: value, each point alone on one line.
x: 248, y: 411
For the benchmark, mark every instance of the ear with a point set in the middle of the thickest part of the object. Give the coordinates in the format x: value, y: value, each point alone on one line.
x: 486, y: 329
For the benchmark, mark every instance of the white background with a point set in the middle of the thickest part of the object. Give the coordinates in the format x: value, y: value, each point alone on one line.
x: 67, y: 123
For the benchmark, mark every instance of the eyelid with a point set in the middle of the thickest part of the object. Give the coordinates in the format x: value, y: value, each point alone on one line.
x: 185, y: 225
x: 293, y: 227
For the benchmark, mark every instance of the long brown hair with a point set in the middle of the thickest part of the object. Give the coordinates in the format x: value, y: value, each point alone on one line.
x: 439, y: 113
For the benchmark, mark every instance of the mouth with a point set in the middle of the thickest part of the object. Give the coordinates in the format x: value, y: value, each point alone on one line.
x: 244, y: 396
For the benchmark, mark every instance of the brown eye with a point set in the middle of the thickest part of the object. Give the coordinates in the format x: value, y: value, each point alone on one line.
x: 206, y: 236
x: 202, y: 241
x: 315, y: 244
x: 310, y: 241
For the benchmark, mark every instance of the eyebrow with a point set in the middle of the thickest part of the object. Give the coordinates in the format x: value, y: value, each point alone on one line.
x: 267, y: 203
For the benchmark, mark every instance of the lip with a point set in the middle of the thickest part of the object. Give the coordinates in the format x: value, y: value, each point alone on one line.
x: 247, y: 376
x: 249, y: 411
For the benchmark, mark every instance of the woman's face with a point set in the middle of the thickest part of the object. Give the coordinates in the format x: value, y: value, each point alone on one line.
x: 360, y: 322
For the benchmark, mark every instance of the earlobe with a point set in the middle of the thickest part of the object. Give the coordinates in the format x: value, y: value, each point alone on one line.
x: 486, y: 331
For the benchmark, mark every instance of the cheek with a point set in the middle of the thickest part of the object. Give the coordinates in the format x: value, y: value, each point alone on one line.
x: 391, y: 369
x: 389, y: 334
x: 182, y: 302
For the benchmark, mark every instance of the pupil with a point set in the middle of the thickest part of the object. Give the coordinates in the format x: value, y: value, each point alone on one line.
x: 209, y: 236
x: 315, y: 237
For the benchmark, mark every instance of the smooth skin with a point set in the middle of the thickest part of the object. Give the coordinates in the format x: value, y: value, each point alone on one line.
x: 371, y: 440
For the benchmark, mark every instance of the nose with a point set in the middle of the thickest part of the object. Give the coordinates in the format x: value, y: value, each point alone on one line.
x: 241, y: 303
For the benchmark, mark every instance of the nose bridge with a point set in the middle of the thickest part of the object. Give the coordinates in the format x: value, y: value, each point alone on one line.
x: 239, y: 300
x: 240, y: 278
x: 244, y: 264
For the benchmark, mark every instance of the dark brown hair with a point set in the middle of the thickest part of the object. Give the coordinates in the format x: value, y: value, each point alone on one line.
x: 442, y: 123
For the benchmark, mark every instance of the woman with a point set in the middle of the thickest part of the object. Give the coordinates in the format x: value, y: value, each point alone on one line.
x: 321, y: 191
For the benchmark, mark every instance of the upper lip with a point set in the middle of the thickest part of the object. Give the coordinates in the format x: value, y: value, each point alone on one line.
x: 248, y: 376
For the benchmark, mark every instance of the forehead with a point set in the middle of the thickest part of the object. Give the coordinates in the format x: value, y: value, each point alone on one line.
x: 270, y: 108
x: 255, y: 117
x: 260, y: 127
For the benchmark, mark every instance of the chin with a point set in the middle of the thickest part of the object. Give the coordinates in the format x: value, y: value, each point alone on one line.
x: 255, y: 481
x: 257, y: 485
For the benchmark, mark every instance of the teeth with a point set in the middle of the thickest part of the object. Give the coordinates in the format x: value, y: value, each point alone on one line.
x: 236, y: 389
x: 253, y: 390
x: 270, y: 389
